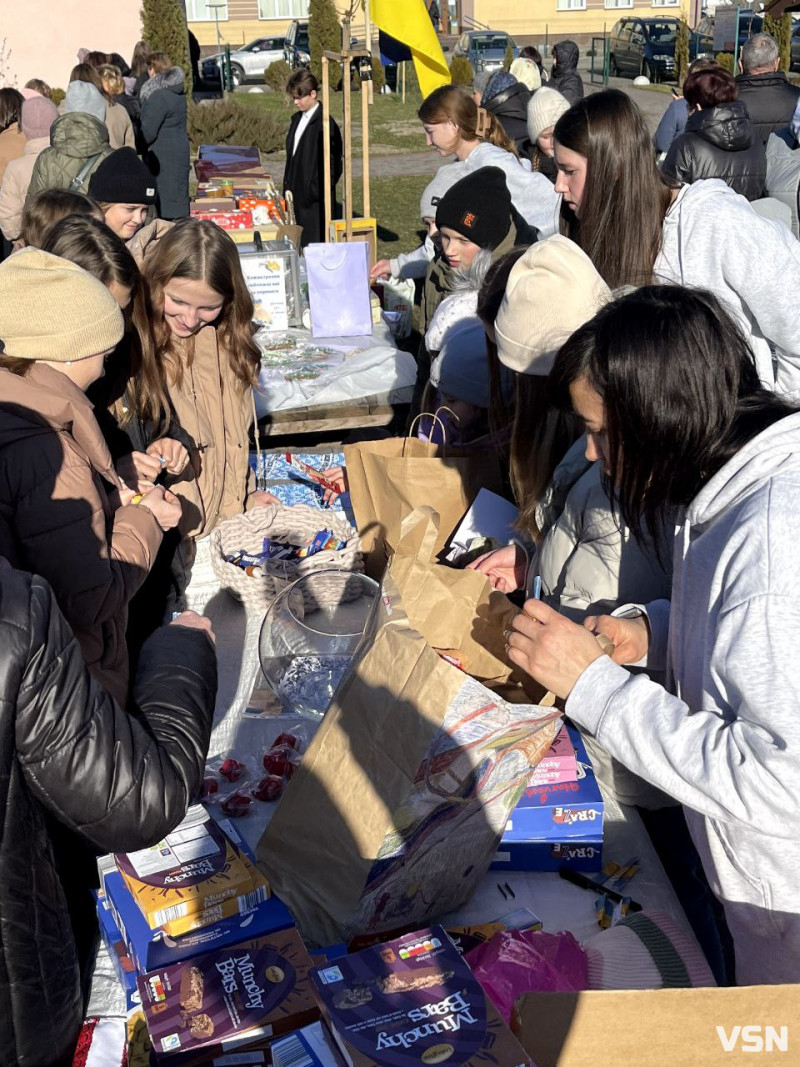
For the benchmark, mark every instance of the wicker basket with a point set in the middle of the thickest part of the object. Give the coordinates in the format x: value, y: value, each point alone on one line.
x: 295, y: 525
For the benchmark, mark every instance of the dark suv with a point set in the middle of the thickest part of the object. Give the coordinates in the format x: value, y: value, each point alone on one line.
x: 296, y: 50
x: 647, y: 46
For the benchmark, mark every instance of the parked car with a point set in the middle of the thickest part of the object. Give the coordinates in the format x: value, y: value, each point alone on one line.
x: 647, y: 46
x: 296, y: 50
x: 485, y: 49
x: 248, y: 63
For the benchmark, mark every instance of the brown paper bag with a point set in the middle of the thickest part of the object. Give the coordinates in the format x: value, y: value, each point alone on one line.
x: 399, y: 804
x: 389, y: 479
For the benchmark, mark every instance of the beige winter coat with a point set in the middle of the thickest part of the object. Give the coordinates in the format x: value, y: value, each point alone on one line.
x: 59, y: 518
x: 14, y: 187
x: 217, y: 413
x: 12, y: 145
x: 119, y: 126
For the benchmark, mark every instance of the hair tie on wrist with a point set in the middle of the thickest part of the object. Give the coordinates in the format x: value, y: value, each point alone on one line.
x: 484, y: 122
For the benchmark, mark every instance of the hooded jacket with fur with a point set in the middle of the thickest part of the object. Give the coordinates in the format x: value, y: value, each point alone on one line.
x: 163, y: 124
x: 564, y: 75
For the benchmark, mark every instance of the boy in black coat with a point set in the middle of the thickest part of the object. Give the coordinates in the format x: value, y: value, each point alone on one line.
x: 304, y: 173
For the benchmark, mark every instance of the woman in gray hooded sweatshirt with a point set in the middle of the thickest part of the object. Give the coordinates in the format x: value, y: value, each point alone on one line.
x: 673, y: 406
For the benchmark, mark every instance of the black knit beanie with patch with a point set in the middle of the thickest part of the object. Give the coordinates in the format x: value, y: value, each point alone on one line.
x: 478, y: 207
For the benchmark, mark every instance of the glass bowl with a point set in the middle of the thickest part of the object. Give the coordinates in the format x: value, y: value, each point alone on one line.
x: 310, y: 635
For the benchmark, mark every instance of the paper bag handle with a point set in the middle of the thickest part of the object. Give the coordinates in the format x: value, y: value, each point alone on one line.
x: 435, y: 417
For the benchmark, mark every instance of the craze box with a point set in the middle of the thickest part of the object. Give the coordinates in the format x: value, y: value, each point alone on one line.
x: 230, y: 999
x: 194, y: 877
x: 150, y: 949
x: 559, y: 812
x: 578, y: 854
x: 413, y: 1000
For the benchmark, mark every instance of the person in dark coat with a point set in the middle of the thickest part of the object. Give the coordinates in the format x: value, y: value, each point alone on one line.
x: 764, y: 90
x: 80, y: 774
x: 718, y: 141
x: 304, y: 174
x: 163, y: 122
x: 507, y: 99
x: 564, y: 75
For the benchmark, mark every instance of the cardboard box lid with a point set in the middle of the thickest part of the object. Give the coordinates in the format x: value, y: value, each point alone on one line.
x: 660, y: 1027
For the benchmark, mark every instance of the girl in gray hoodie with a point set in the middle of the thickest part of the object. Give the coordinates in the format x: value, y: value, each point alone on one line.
x: 668, y: 389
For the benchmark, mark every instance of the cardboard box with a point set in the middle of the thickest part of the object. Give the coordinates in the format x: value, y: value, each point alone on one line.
x: 363, y: 230
x: 188, y: 874
x: 123, y: 965
x: 413, y: 1000
x: 212, y: 203
x: 579, y: 854
x: 560, y: 812
x: 227, y: 220
x: 662, y: 1027
x: 313, y: 1046
x: 150, y: 949
x: 235, y: 997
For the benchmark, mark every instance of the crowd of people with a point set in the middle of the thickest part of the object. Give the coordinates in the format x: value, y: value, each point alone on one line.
x: 622, y: 336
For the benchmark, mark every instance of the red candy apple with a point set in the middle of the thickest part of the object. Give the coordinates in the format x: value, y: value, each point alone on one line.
x: 232, y: 769
x: 269, y: 788
x: 285, y: 739
x: 236, y: 805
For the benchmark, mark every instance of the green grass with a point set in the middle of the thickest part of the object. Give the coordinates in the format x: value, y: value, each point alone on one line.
x: 395, y: 204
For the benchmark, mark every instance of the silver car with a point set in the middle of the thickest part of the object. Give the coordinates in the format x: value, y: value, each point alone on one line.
x: 247, y: 63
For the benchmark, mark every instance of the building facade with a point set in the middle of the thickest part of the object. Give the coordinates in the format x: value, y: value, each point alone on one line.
x: 240, y: 21
x: 553, y: 20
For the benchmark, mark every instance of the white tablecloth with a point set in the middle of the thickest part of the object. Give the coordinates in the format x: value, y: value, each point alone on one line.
x: 376, y: 366
x: 560, y: 905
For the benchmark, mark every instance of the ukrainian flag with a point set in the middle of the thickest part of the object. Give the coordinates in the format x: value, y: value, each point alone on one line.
x: 408, y: 21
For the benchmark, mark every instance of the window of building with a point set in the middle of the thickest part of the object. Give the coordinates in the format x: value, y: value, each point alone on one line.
x: 282, y: 9
x: 205, y: 11
x: 571, y: 5
x: 666, y: 3
x: 619, y: 3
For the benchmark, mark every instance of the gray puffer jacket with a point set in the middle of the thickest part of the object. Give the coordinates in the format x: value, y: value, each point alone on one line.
x: 588, y: 559
x: 75, y: 140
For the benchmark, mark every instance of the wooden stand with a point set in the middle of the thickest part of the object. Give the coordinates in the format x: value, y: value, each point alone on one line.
x: 344, y: 59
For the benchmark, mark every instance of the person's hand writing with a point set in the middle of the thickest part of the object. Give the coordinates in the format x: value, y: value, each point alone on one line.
x: 630, y: 637
x: 164, y: 506
x: 172, y: 452
x: 504, y: 567
x: 550, y: 648
x: 195, y: 622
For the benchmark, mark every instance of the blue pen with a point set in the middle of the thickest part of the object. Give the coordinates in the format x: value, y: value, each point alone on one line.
x: 537, y: 587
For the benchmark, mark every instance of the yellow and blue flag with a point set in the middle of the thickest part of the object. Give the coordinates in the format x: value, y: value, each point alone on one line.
x: 408, y: 21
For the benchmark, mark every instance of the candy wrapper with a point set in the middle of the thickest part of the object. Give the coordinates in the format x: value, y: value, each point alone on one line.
x: 235, y: 781
x: 528, y: 961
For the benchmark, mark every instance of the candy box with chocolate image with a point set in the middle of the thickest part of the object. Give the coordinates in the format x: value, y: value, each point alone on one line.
x: 410, y: 1001
x: 232, y: 997
x: 194, y: 869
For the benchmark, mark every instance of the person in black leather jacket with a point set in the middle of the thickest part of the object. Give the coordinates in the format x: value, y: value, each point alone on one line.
x: 564, y: 75
x: 718, y: 141
x: 507, y: 99
x: 79, y: 774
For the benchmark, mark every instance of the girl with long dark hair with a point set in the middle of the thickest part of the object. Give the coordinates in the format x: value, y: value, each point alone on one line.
x: 637, y: 227
x: 673, y: 406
